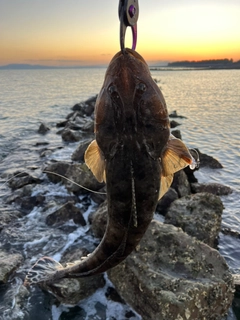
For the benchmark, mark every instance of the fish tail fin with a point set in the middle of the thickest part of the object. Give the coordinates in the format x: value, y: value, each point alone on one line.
x: 43, y: 270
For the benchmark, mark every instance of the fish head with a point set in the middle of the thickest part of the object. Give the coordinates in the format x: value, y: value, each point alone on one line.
x: 130, y: 108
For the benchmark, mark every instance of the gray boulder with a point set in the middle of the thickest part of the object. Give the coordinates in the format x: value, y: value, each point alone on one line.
x: 208, y: 161
x: 174, y: 276
x: 69, y: 135
x: 80, y: 174
x: 199, y: 215
x: 8, y: 215
x: 64, y: 213
x: 174, y: 124
x: 60, y: 168
x: 9, y: 262
x: 181, y: 184
x: 98, y: 220
x: 43, y: 128
x: 177, y: 133
x: 21, y: 179
x: 78, y: 154
x: 165, y: 202
x: 214, y: 188
x: 71, y: 291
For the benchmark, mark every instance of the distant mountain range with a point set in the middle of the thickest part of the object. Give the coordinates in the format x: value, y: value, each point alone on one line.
x: 17, y: 66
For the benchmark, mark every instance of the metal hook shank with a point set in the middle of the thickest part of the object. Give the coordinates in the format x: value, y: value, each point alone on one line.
x: 128, y: 11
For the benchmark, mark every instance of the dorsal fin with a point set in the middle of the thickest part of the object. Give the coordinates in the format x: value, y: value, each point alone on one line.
x: 95, y: 161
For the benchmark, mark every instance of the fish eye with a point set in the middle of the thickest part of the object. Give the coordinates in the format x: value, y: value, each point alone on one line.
x: 113, y: 91
x: 141, y: 86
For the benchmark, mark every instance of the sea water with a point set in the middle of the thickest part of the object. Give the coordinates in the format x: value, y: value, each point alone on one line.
x: 209, y: 99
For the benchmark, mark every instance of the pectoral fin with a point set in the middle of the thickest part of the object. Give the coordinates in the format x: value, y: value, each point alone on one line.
x: 175, y: 157
x: 165, y: 185
x: 94, y: 160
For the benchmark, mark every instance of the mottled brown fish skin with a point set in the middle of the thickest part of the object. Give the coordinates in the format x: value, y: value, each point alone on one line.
x: 132, y: 132
x: 132, y: 129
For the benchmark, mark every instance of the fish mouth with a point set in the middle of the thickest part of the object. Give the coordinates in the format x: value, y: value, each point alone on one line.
x: 131, y: 53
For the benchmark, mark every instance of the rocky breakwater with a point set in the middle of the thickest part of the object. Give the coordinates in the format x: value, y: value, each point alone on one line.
x: 174, y: 273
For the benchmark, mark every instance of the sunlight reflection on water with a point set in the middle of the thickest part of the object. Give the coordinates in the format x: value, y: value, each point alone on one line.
x: 209, y: 99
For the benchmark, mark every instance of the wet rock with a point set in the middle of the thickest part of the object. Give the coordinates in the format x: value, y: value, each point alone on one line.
x: 71, y: 291
x: 199, y: 215
x: 62, y: 124
x: 113, y: 295
x: 81, y: 123
x: 174, y: 124
x: 74, y: 126
x: 24, y: 199
x: 60, y: 168
x: 88, y: 126
x: 42, y: 143
x: 181, y: 184
x: 43, y: 128
x: 72, y: 115
x: 99, y: 197
x: 208, y: 161
x: 80, y: 174
x: 9, y: 262
x: 98, y: 220
x: 165, y: 202
x: 8, y: 215
x: 86, y: 107
x: 13, y: 301
x: 21, y: 179
x: 78, y: 154
x: 69, y: 135
x: 190, y: 174
x: 45, y: 153
x: 177, y: 134
x: 230, y: 232
x: 174, y: 114
x: 173, y: 276
x: 66, y: 212
x: 79, y: 107
x: 214, y: 188
x: 25, y: 191
x: 28, y: 203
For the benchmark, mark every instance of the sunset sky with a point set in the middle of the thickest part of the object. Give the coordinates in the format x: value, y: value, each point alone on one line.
x: 85, y: 32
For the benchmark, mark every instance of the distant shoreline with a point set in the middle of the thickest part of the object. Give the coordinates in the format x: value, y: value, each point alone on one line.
x: 214, y: 64
x: 40, y: 67
x: 192, y: 68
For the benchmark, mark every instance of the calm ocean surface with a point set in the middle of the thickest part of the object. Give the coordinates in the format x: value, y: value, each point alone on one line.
x: 209, y: 99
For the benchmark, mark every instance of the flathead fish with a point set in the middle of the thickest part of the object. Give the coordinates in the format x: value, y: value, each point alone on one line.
x: 135, y: 154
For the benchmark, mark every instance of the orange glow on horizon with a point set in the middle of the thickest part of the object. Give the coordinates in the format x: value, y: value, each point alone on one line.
x: 71, y: 35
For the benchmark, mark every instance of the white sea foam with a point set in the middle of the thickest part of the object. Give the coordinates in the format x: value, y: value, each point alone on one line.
x: 91, y: 304
x: 209, y: 100
x: 72, y: 237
